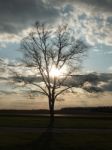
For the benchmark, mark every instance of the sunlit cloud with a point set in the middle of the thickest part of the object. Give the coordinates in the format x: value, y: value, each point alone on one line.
x: 110, y: 69
x: 9, y: 38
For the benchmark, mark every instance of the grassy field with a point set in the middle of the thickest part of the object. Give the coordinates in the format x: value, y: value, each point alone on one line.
x: 77, y: 140
x: 56, y: 141
x: 102, y: 122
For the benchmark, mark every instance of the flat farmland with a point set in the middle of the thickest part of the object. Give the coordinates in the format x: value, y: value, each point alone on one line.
x: 77, y: 132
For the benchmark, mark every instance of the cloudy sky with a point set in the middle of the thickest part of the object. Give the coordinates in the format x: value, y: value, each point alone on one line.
x: 91, y: 21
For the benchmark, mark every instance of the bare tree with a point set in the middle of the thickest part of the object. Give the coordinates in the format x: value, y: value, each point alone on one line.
x: 55, y: 53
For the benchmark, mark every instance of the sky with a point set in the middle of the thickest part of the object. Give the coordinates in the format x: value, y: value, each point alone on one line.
x: 91, y: 21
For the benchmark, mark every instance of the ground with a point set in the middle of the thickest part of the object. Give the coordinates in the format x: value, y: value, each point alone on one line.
x: 78, y: 132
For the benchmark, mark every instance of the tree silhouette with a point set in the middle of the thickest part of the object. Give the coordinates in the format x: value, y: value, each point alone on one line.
x: 55, y: 53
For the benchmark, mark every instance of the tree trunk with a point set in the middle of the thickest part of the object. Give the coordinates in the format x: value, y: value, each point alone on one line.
x: 51, y: 110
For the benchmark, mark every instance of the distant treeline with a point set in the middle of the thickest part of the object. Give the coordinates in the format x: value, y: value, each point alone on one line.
x: 68, y: 110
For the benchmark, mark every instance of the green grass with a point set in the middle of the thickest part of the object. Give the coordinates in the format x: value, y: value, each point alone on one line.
x: 14, y: 140
x: 60, y: 122
x: 14, y: 121
x: 56, y: 141
x: 77, y: 140
x: 83, y: 123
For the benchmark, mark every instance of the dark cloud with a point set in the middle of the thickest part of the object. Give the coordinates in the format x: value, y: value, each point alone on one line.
x: 108, y: 86
x: 17, y: 14
x: 92, y: 83
x: 109, y: 20
x: 97, y: 83
x: 82, y: 16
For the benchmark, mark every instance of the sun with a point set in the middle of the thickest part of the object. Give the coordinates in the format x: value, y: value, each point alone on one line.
x: 55, y: 72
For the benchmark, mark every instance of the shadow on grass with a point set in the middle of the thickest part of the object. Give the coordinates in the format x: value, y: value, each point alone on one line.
x: 46, y: 141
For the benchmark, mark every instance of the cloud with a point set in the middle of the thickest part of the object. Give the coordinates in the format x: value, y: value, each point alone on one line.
x: 103, y: 4
x: 9, y: 37
x: 110, y: 69
x: 99, y: 4
x: 2, y: 45
x: 106, y: 86
x: 88, y: 19
x: 91, y: 82
x: 16, y: 15
x: 98, y: 82
x: 92, y: 19
x: 94, y: 27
